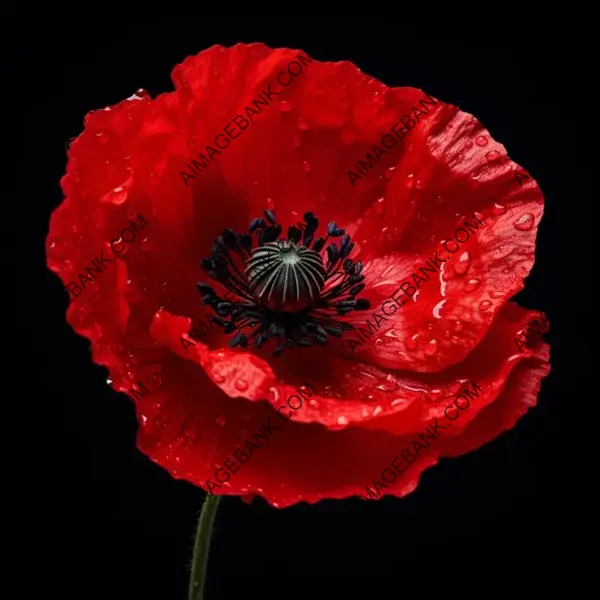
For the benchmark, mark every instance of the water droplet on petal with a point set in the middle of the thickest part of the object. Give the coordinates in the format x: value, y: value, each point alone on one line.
x: 472, y: 284
x: 499, y: 209
x: 218, y: 376
x: 494, y: 294
x: 481, y: 140
x: 342, y: 420
x: 396, y: 402
x: 241, y: 385
x: 306, y: 166
x: 116, y: 196
x: 492, y: 155
x: 463, y: 264
x: 411, y: 343
x: 469, y: 144
x: 377, y: 410
x: 458, y: 325
x: 485, y: 305
x: 389, y: 384
x: 285, y: 106
x: 524, y: 222
x: 313, y: 404
x: 431, y: 348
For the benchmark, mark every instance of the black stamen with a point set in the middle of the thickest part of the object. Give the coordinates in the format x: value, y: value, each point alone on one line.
x: 256, y: 224
x: 279, y: 284
x: 294, y: 234
x: 270, y: 216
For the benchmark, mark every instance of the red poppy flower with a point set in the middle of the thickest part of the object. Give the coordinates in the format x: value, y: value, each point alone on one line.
x: 268, y: 176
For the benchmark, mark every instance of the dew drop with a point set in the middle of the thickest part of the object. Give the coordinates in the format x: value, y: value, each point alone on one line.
x: 472, y: 285
x: 241, y: 385
x: 218, y: 376
x: 463, y: 264
x: 481, y: 141
x: 389, y: 384
x: 411, y: 343
x: 313, y: 404
x: 342, y: 420
x: 393, y: 333
x: 396, y: 402
x: 377, y: 410
x: 499, y: 209
x: 285, y: 106
x: 469, y: 144
x: 306, y: 166
x: 492, y: 155
x: 524, y: 222
x: 494, y: 294
x: 458, y: 325
x: 116, y: 196
x: 485, y: 305
x: 431, y: 348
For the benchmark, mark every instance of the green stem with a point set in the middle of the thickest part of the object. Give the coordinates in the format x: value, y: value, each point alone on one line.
x: 201, y: 546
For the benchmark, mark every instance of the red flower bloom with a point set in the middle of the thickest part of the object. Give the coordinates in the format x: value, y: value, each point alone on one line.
x: 195, y: 162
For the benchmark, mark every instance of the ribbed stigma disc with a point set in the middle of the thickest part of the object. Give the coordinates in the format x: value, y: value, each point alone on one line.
x: 285, y: 277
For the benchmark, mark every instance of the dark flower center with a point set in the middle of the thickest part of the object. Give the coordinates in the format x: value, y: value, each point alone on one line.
x: 287, y: 290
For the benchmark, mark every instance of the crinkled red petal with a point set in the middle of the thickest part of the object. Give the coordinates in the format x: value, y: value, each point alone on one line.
x: 398, y: 402
x: 199, y: 427
x: 128, y: 162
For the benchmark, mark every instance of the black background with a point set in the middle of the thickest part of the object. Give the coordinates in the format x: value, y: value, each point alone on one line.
x: 90, y: 517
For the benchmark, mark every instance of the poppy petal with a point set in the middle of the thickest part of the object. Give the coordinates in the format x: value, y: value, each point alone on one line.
x: 363, y: 395
x: 439, y: 315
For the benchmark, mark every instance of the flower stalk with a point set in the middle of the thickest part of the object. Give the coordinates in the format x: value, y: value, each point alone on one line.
x: 201, y: 547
